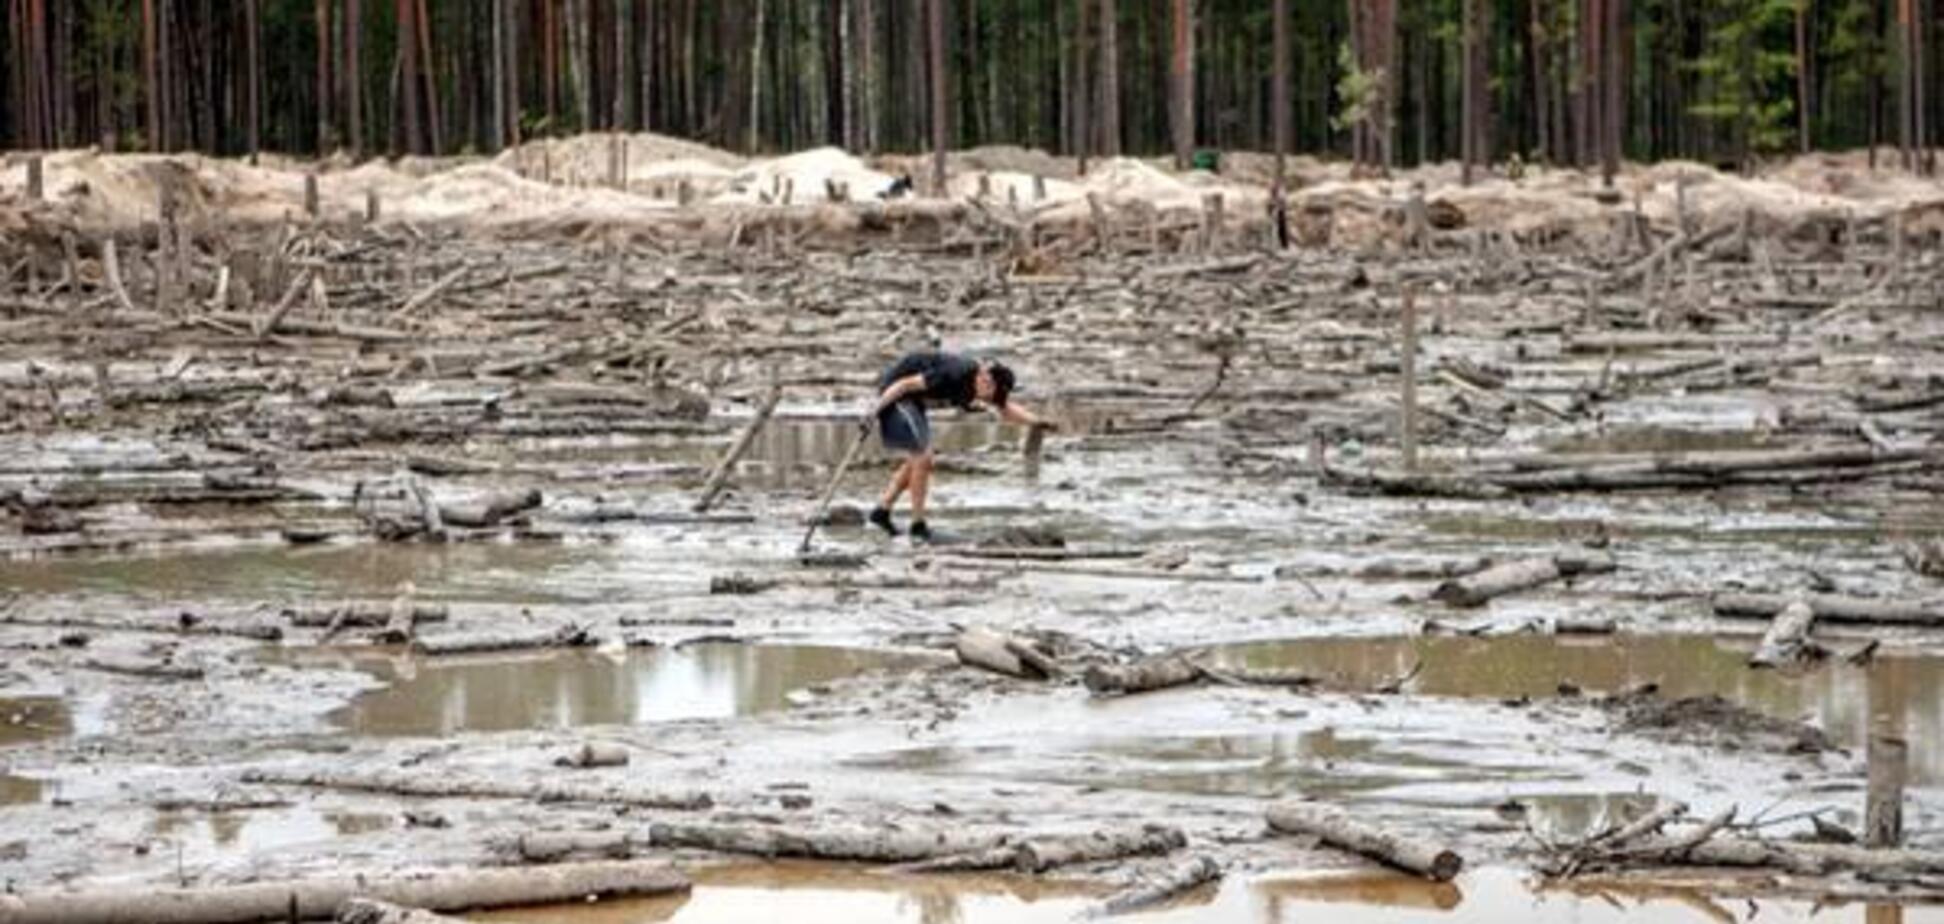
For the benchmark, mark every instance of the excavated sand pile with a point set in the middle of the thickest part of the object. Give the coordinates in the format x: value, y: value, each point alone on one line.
x: 566, y: 186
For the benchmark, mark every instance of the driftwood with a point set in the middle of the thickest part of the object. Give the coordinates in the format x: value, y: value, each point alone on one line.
x: 567, y: 636
x: 1156, y: 673
x: 1513, y: 576
x: 1039, y: 853
x: 447, y: 786
x: 556, y: 846
x: 594, y: 754
x: 488, y: 511
x: 1806, y: 859
x: 184, y: 624
x: 1339, y: 830
x: 877, y: 844
x: 373, y: 911
x: 1003, y: 654
x: 1174, y: 881
x: 720, y: 475
x: 321, y: 898
x: 1835, y: 608
x: 152, y: 669
x: 360, y: 615
x: 1787, y: 640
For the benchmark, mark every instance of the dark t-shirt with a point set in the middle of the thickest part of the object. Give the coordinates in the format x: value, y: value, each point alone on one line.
x: 950, y: 379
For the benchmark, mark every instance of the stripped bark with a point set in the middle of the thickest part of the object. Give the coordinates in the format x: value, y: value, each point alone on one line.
x: 1332, y: 827
x: 447, y: 786
x: 449, y: 889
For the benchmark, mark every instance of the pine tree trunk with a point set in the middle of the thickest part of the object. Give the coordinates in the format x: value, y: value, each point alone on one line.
x: 323, y: 14
x: 1110, y: 98
x: 753, y: 142
x: 252, y: 86
x: 941, y: 123
x: 1181, y: 114
x: 1613, y: 96
x: 152, y: 78
x: 354, y: 74
x: 428, y: 77
x: 406, y: 87
x: 1279, y: 91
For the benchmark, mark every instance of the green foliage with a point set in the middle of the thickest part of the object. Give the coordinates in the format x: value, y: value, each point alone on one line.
x: 1747, y: 69
x: 1359, y: 91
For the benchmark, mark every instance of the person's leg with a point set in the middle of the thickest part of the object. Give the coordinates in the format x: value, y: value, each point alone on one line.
x: 900, y: 479
x: 921, y: 469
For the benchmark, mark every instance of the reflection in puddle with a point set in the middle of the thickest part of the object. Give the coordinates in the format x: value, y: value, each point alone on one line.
x: 503, y: 572
x: 34, y: 718
x: 255, y: 831
x: 19, y: 790
x: 573, y: 688
x: 813, y: 893
x: 1905, y: 692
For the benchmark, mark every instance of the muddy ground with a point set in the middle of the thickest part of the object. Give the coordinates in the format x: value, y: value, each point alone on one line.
x: 195, y: 493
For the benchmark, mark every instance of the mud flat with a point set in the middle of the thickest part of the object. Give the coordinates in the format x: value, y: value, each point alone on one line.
x: 344, y: 549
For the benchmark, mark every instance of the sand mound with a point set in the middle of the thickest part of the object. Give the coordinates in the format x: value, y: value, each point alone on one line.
x: 803, y: 177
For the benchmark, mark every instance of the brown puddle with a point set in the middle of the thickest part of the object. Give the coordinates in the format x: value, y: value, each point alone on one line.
x: 19, y: 790
x: 807, y: 893
x: 1905, y: 693
x: 34, y: 718
x: 565, y: 689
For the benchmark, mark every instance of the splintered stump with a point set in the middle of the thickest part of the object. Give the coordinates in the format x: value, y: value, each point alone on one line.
x: 320, y: 899
x: 1787, y: 641
x: 1339, y: 830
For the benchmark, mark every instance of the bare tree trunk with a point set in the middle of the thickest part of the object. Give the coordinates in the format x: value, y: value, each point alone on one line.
x: 429, y: 78
x: 354, y: 74
x: 323, y: 8
x: 1182, y: 113
x: 408, y: 83
x: 756, y: 80
x: 1468, y: 94
x: 1110, y: 100
x: 252, y: 87
x: 151, y: 69
x: 1613, y: 96
x: 1279, y: 93
x: 622, y: 87
x: 941, y: 116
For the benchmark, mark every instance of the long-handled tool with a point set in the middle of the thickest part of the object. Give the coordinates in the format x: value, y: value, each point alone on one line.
x: 830, y: 493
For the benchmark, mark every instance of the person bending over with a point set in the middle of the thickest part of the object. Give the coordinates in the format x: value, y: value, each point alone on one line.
x: 904, y: 391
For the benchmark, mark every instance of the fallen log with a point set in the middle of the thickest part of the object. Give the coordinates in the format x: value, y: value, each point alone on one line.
x: 360, y: 615
x: 305, y: 328
x: 1834, y: 608
x: 373, y: 911
x: 488, y: 511
x: 1787, y: 641
x: 594, y: 754
x: 1801, y: 858
x: 567, y: 636
x: 154, y: 670
x: 1039, y: 854
x: 983, y: 648
x: 1401, y: 484
x: 1513, y: 576
x: 1632, y: 272
x: 316, y: 899
x: 556, y: 846
x: 183, y: 624
x: 879, y: 844
x: 458, y: 787
x: 1336, y: 829
x: 1156, y: 673
x: 1176, y: 880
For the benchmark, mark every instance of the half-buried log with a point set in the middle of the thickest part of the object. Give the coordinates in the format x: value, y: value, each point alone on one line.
x: 360, y: 615
x: 1336, y: 829
x: 1835, y: 608
x: 489, y: 510
x: 875, y: 844
x: 594, y: 754
x: 1174, y: 881
x: 1039, y: 854
x: 457, y: 787
x: 1787, y: 641
x: 567, y: 636
x: 1514, y: 576
x: 372, y: 911
x: 1156, y: 673
x: 981, y: 647
x: 320, y: 899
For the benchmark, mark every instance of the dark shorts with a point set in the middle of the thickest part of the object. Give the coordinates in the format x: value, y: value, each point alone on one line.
x: 904, y: 427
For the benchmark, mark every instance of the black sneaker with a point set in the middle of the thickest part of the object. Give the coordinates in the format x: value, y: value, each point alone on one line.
x: 881, y: 518
x: 920, y: 532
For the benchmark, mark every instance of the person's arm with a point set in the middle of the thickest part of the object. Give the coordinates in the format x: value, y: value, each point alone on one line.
x: 899, y: 390
x: 1015, y: 413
